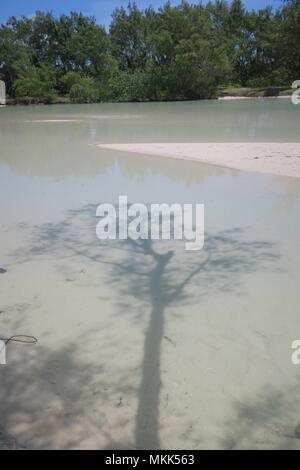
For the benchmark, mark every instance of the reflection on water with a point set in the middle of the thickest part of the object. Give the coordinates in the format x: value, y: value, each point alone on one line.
x: 144, y: 345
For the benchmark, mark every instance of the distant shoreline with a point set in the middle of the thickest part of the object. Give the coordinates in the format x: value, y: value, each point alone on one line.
x: 229, y: 94
x: 218, y: 98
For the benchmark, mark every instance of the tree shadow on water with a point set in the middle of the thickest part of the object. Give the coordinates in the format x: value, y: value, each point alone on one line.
x: 44, y: 394
x: 159, y: 276
x: 267, y: 420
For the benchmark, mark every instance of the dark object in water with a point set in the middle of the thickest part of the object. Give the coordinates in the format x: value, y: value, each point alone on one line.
x: 3, y: 271
x: 297, y: 431
x: 120, y: 403
x: 20, y: 339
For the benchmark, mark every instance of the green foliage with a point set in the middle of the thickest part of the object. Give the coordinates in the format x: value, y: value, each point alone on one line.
x: 84, y: 91
x: 34, y: 84
x: 68, y: 80
x: 80, y: 89
x: 131, y: 86
x: 187, y: 51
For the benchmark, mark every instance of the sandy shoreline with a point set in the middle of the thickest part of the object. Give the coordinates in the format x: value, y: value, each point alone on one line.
x: 231, y: 97
x: 282, y: 159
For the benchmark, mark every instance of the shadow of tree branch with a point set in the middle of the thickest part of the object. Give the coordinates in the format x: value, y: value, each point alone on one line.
x: 158, y: 278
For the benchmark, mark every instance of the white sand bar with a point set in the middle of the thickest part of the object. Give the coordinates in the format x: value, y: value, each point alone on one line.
x: 281, y: 159
x: 55, y: 120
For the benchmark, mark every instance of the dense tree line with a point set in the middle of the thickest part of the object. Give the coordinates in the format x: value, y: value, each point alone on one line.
x: 182, y: 52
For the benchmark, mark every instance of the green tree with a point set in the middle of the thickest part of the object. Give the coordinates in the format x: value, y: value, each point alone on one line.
x: 34, y: 84
x: 80, y: 89
x: 174, y: 52
x: 288, y: 45
x: 127, y: 35
x: 84, y: 92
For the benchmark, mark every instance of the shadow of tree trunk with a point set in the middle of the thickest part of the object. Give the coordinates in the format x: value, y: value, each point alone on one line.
x: 160, y: 280
x: 147, y: 421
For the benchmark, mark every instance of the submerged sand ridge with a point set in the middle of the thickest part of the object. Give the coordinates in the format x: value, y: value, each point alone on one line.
x: 281, y: 159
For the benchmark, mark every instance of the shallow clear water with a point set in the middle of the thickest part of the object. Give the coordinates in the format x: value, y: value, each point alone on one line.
x: 104, y: 373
